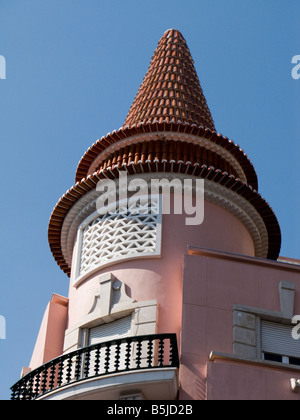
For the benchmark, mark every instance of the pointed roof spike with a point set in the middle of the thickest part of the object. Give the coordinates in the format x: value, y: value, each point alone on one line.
x: 179, y: 77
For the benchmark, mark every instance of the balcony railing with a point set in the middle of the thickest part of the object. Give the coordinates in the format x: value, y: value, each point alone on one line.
x: 123, y: 355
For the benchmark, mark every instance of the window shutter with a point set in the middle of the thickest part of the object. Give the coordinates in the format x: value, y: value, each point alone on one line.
x: 277, y: 339
x: 107, y: 332
x: 112, y: 331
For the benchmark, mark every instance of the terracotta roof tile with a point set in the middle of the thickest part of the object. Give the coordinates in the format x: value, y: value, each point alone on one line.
x: 170, y: 101
x: 84, y: 165
x: 172, y: 78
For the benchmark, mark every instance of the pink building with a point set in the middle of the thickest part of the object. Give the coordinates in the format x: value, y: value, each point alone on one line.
x: 161, y: 307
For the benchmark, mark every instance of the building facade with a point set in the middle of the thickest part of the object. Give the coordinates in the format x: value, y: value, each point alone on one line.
x: 167, y: 300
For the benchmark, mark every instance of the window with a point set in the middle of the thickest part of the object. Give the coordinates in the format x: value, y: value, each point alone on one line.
x: 112, y: 331
x: 132, y: 397
x: 281, y: 359
x: 123, y: 235
x: 278, y: 344
x: 108, y: 332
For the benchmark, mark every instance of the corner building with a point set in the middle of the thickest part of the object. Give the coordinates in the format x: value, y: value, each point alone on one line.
x: 158, y: 309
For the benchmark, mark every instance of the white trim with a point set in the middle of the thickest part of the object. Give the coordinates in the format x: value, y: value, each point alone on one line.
x: 218, y: 194
x: 155, y: 384
x: 144, y: 318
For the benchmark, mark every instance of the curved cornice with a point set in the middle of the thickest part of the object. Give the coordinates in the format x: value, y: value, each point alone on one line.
x: 184, y: 132
x: 236, y: 191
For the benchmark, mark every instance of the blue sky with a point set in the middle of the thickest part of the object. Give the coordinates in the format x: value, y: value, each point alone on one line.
x: 73, y: 69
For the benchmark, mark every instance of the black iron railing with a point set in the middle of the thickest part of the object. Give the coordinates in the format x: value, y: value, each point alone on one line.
x: 127, y: 354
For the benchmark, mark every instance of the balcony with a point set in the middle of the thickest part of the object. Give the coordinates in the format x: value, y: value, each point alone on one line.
x: 110, y: 370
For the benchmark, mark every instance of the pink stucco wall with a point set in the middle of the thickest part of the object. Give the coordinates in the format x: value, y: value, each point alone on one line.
x: 236, y: 381
x: 161, y: 279
x: 195, y: 291
x: 50, y: 339
x: 212, y: 284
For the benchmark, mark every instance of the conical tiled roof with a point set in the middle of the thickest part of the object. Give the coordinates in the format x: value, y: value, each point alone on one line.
x: 169, y: 129
x: 171, y: 91
x: 170, y: 100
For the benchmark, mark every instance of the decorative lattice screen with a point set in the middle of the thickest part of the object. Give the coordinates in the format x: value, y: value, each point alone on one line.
x: 122, y: 235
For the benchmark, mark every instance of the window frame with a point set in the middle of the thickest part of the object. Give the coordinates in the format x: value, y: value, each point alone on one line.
x: 285, y: 358
x: 79, y: 278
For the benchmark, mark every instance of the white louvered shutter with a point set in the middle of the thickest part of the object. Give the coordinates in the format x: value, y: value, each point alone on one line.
x: 107, y: 332
x: 277, y: 339
x: 112, y: 331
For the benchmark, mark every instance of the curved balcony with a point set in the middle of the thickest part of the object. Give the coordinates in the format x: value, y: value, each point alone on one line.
x: 95, y: 364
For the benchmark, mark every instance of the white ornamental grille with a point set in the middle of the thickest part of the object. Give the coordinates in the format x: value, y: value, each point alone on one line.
x: 122, y: 235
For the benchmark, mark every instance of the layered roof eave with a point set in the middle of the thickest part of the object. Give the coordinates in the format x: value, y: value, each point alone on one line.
x: 169, y: 100
x: 229, y: 182
x: 83, y: 169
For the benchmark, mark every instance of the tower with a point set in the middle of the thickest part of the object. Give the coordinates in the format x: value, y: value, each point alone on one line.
x: 151, y: 309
